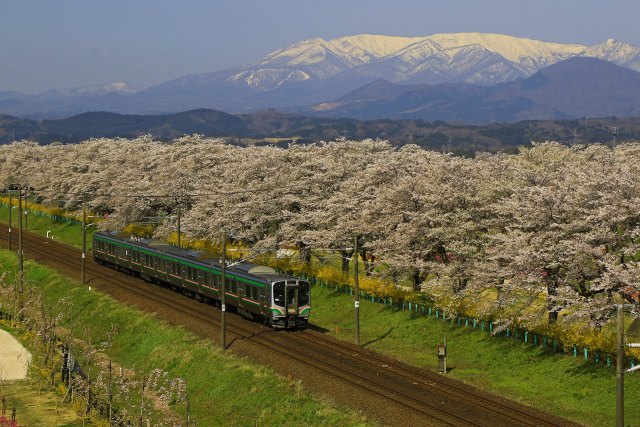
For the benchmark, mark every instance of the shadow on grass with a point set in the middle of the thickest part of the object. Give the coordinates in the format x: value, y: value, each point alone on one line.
x: 317, y: 328
x: 383, y: 336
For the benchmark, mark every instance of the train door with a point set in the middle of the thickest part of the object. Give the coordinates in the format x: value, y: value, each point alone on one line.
x: 291, y: 297
x: 240, y: 294
x: 264, y: 300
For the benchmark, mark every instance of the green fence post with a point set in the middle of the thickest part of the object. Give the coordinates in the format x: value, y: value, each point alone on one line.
x: 586, y: 353
x: 597, y: 357
x: 437, y: 313
x: 508, y: 331
x: 482, y: 326
x: 459, y: 320
x: 526, y: 337
x: 608, y: 360
x: 429, y: 311
x: 466, y: 322
x: 575, y: 351
x: 491, y: 327
x: 475, y: 323
x: 544, y: 341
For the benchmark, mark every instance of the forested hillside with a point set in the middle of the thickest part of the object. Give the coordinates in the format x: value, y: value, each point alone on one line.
x: 273, y: 127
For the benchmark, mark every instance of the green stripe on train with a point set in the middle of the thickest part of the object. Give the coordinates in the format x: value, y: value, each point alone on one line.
x: 180, y: 261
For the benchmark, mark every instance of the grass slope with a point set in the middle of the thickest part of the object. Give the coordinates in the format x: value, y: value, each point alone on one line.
x: 224, y: 390
x: 557, y: 384
x: 35, y: 408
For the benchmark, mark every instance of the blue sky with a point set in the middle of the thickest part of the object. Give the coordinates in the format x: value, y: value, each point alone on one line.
x: 51, y: 44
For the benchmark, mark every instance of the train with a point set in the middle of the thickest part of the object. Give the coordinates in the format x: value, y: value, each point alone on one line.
x: 255, y: 291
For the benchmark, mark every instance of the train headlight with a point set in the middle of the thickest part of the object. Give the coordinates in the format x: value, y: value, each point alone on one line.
x: 291, y: 311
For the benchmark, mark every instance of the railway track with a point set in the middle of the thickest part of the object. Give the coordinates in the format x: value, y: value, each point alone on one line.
x: 426, y: 396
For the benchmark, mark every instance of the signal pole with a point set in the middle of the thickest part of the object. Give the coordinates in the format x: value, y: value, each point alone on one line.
x: 357, y: 291
x: 10, y: 209
x: 223, y: 323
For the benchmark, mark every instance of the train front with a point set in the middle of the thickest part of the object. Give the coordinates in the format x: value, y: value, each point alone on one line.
x: 290, y: 304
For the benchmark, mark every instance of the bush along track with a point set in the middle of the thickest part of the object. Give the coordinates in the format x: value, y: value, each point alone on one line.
x: 143, y: 366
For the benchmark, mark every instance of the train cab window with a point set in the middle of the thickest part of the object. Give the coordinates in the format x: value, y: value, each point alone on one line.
x: 303, y: 293
x: 278, y: 293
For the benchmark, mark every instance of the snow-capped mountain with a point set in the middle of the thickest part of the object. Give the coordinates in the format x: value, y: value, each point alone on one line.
x: 471, y: 57
x: 102, y: 89
x: 316, y: 70
x: 620, y: 53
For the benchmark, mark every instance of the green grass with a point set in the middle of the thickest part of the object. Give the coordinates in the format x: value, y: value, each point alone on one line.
x: 224, y: 390
x: 35, y: 408
x: 557, y: 384
x: 70, y: 234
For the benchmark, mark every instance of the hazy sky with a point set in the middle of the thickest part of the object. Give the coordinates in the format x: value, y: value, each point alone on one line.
x: 50, y: 44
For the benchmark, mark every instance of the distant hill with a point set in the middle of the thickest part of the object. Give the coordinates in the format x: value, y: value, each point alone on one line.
x: 577, y: 87
x: 272, y: 127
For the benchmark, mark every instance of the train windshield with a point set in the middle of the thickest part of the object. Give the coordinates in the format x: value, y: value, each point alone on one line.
x: 303, y: 293
x: 278, y: 293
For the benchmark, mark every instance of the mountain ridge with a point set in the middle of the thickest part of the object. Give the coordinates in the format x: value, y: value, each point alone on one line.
x: 316, y: 71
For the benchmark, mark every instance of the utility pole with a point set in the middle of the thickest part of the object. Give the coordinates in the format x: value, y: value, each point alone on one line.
x: 26, y: 198
x: 10, y: 209
x: 223, y: 290
x: 357, y: 291
x: 20, y: 259
x: 614, y: 132
x: 620, y: 369
x: 179, y: 232
x: 84, y: 241
x: 20, y: 254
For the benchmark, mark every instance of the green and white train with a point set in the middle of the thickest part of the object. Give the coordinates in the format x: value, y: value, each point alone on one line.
x: 255, y: 291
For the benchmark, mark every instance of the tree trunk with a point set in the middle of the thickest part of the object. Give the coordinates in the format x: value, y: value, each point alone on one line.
x: 345, y: 258
x: 368, y: 261
x: 552, y: 304
x: 305, y: 253
x: 417, y: 280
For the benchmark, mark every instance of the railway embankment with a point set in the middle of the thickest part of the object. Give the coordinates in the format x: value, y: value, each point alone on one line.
x: 556, y: 383
x: 222, y: 389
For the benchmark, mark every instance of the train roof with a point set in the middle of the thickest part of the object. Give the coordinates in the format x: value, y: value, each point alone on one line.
x: 204, y: 258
